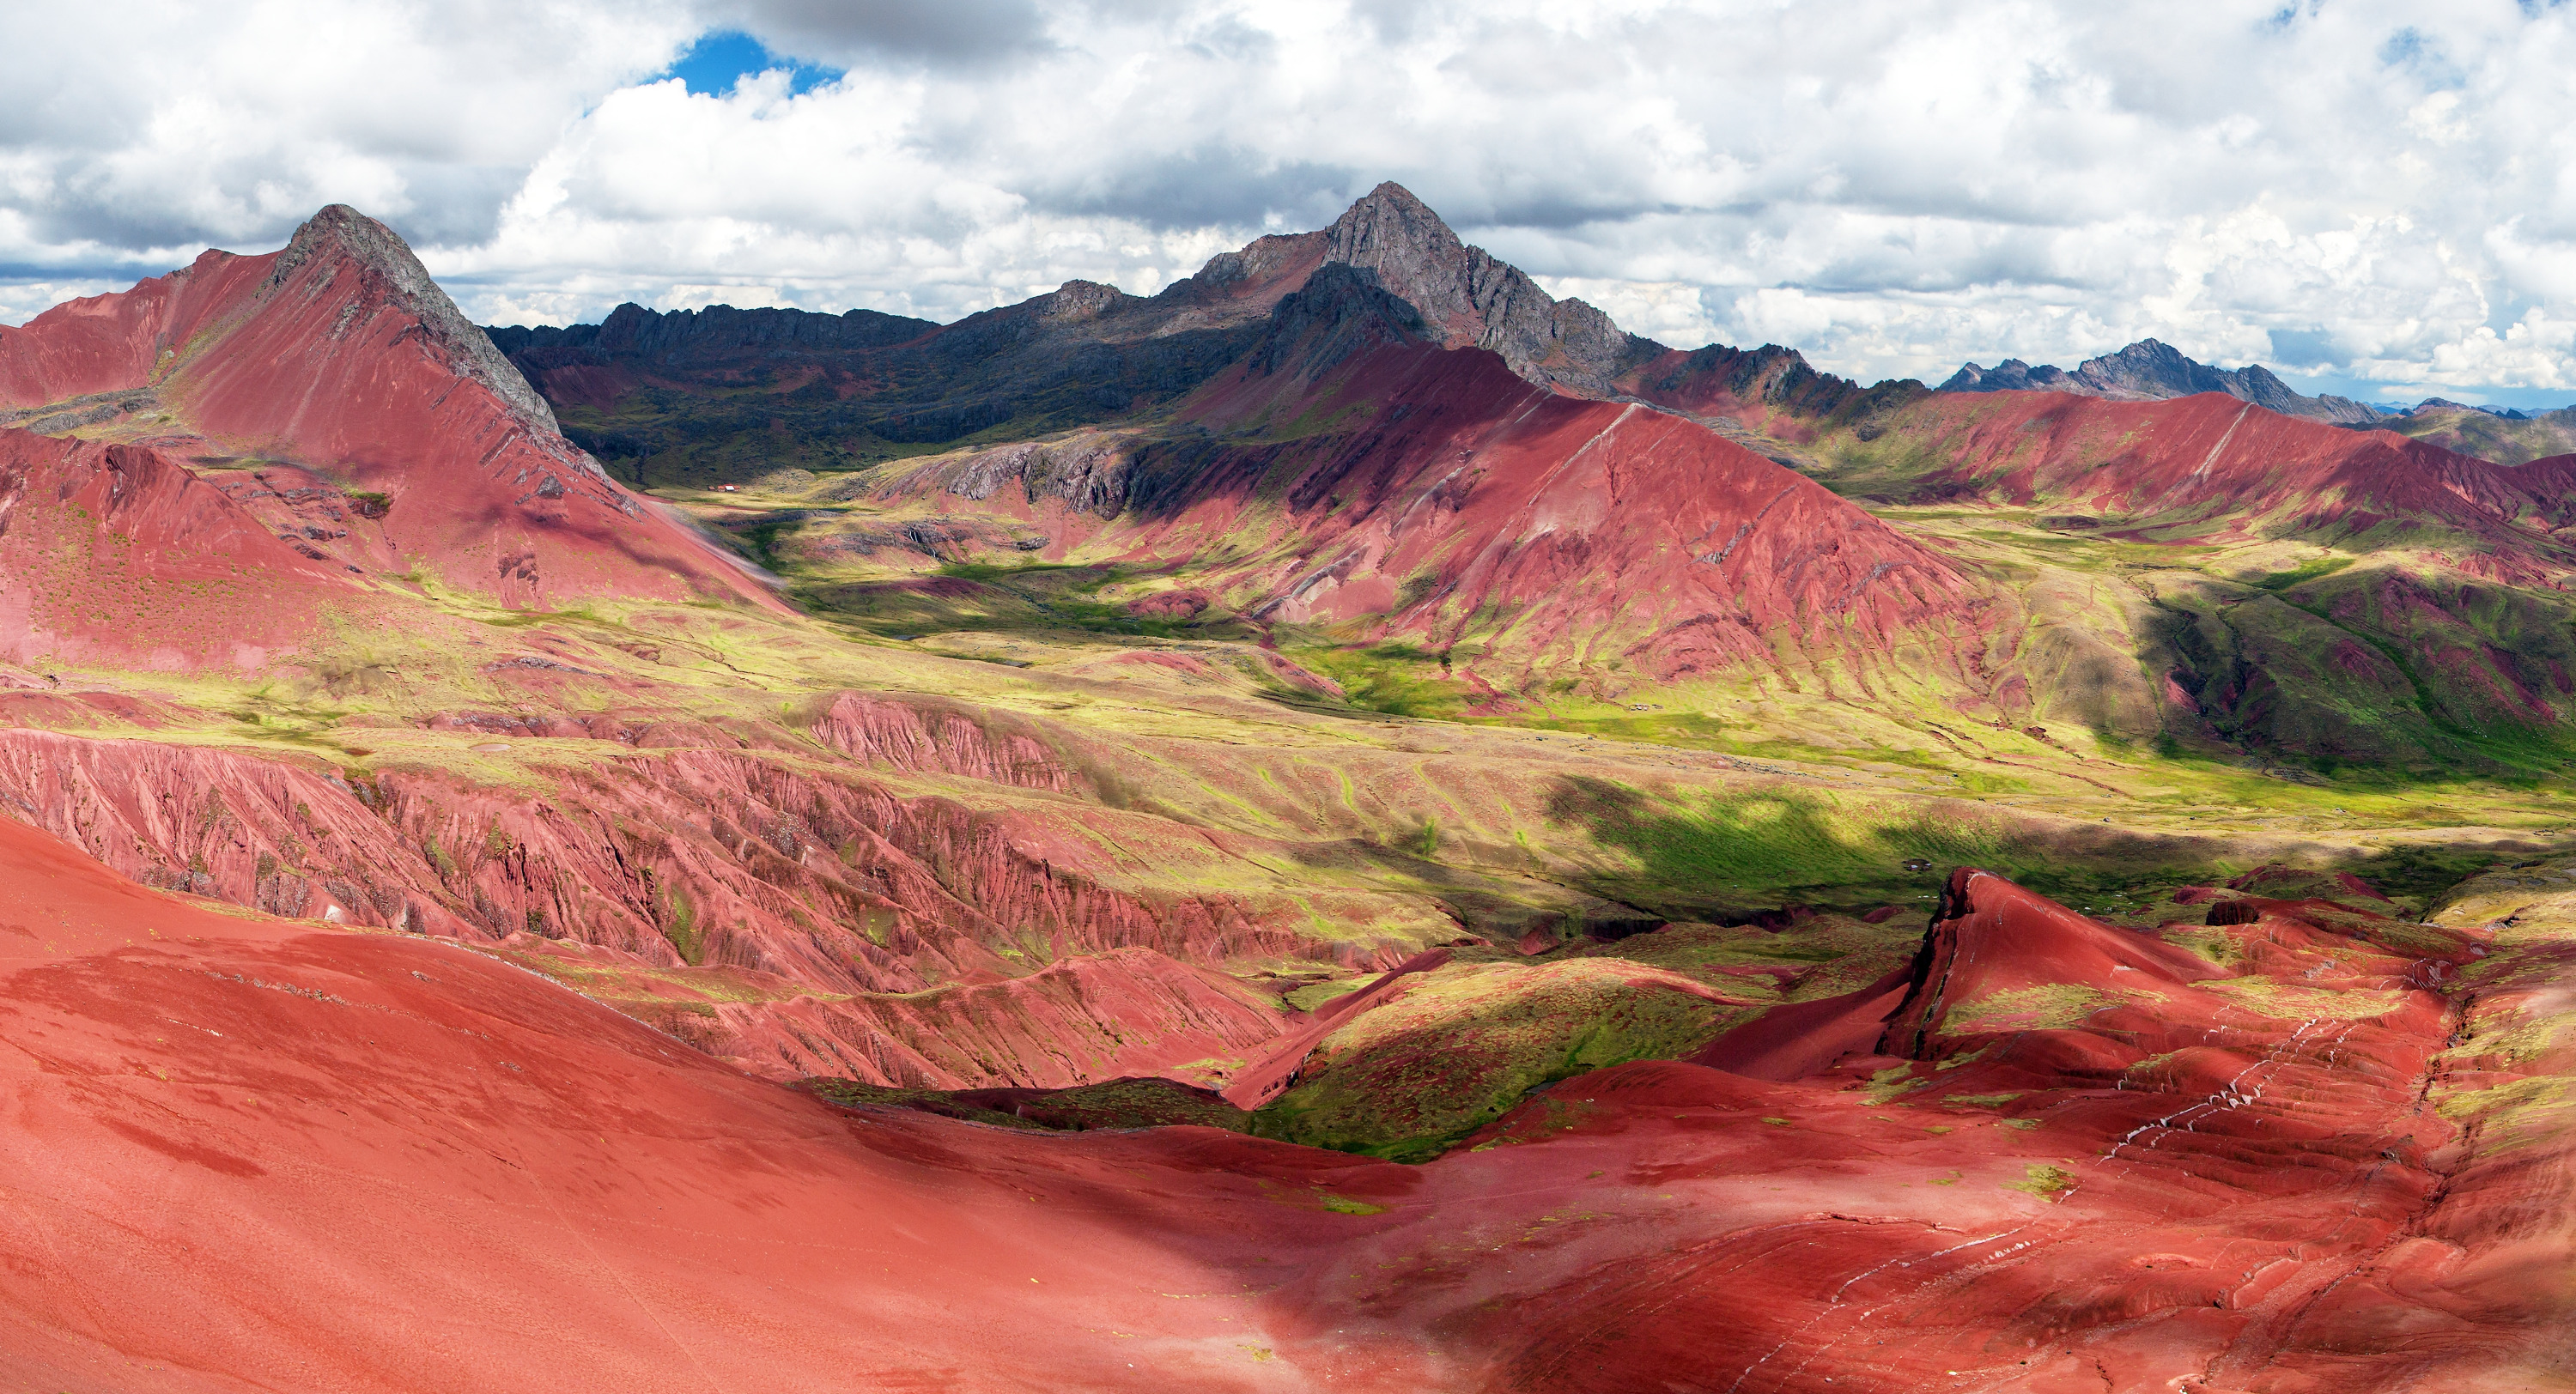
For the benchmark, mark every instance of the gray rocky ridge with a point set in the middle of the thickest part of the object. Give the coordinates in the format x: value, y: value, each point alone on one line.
x: 2151, y: 370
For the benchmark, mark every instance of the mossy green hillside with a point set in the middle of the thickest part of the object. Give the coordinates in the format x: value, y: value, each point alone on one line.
x: 1466, y: 1043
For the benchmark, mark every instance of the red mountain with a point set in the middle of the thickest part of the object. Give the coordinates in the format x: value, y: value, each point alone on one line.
x: 1367, y: 476
x: 338, y: 356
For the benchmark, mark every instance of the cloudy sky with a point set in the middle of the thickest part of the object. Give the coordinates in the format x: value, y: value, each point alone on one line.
x: 2371, y: 197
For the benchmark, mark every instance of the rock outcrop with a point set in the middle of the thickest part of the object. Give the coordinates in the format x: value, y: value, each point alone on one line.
x: 1470, y: 299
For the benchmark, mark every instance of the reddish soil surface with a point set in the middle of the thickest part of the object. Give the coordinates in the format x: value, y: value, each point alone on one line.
x: 245, y: 1153
x: 119, y: 554
x: 826, y: 877
x: 1082, y: 1020
x: 249, y: 1153
x: 926, y: 737
x: 1267, y: 1075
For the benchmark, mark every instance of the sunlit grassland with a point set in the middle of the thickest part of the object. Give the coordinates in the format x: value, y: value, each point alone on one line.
x: 1391, y: 807
x: 1918, y: 739
x: 1466, y: 1043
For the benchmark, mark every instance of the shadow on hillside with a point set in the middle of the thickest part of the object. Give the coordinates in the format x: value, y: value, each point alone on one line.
x: 1720, y: 853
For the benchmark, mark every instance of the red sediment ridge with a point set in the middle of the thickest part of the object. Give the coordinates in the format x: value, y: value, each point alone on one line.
x: 2115, y: 1164
x: 1079, y: 1021
x: 1996, y: 945
x: 1807, y: 1038
x: 931, y: 738
x: 339, y: 355
x: 682, y: 856
x: 1583, y: 519
x: 250, y: 1152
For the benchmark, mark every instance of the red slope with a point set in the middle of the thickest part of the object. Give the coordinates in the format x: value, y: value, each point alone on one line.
x: 2241, y: 1191
x: 1996, y: 941
x: 1807, y: 1038
x: 246, y: 1153
x: 1082, y: 1020
x: 1268, y: 1074
x: 339, y: 354
x: 600, y: 856
x: 1582, y: 521
x: 117, y: 554
x: 2216, y: 460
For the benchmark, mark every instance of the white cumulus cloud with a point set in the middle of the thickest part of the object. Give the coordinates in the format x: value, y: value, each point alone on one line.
x: 2367, y: 189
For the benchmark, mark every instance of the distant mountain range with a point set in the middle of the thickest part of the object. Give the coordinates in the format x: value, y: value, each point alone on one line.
x: 1376, y: 431
x: 2446, y: 404
x: 2151, y: 370
x: 2506, y: 437
x: 692, y: 397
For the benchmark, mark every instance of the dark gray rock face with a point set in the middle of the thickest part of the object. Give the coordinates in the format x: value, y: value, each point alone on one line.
x: 2151, y: 370
x: 377, y: 252
x: 1469, y: 298
x: 1087, y: 471
x: 713, y: 393
x: 1340, y: 311
x: 681, y: 337
x: 1708, y: 379
x: 2013, y: 375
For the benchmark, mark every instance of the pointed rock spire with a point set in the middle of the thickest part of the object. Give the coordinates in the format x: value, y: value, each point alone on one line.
x: 341, y: 234
x: 1470, y: 298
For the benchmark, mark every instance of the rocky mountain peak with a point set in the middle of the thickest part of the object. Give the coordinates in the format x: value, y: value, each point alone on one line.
x: 1413, y: 253
x: 1470, y: 298
x: 341, y: 236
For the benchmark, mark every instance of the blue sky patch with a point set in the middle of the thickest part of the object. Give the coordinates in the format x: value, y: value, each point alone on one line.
x: 720, y: 58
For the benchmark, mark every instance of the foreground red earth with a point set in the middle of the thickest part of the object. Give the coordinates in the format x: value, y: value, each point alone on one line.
x: 253, y: 1153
